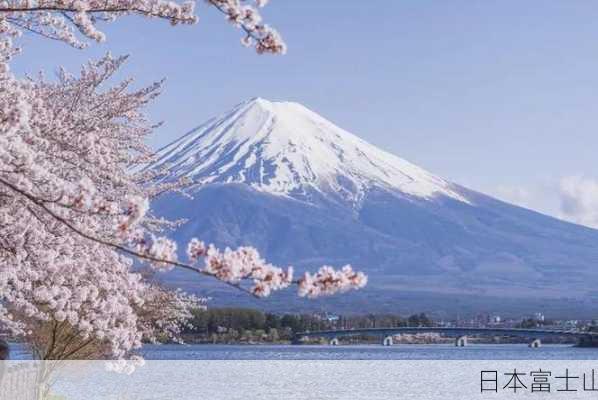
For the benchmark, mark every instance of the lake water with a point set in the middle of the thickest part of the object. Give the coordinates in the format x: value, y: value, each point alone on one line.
x: 368, y: 352
x: 357, y: 352
x: 274, y: 372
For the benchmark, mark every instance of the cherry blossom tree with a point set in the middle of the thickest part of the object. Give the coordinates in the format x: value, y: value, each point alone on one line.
x: 65, y: 198
x: 74, y: 216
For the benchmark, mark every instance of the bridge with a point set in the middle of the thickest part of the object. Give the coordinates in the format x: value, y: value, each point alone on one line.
x: 584, y: 339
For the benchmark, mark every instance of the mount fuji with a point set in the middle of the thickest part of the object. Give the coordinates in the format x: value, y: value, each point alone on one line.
x: 305, y: 192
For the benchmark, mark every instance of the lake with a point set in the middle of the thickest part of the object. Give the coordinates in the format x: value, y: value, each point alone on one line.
x: 298, y: 372
x: 368, y: 352
x: 358, y: 352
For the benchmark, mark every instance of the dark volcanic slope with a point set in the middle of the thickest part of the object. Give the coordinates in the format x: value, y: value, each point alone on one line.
x: 432, y: 250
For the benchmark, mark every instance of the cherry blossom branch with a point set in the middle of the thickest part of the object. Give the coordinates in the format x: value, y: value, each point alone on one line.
x: 115, y: 246
x: 266, y: 278
x: 266, y: 39
x: 55, y: 19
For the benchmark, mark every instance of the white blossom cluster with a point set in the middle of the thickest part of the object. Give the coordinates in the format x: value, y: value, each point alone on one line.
x: 245, y: 263
x: 328, y: 281
x: 245, y: 16
x: 73, y: 21
x: 94, y: 293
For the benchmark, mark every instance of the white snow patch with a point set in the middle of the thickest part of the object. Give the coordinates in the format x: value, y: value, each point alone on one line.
x: 284, y: 148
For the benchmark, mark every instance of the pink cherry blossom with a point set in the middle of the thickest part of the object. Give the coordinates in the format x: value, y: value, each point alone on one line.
x: 328, y: 281
x: 73, y: 21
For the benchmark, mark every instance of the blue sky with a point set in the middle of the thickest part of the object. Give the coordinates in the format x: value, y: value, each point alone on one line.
x: 498, y: 96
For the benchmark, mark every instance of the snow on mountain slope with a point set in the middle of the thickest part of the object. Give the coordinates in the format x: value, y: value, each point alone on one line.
x: 283, y: 148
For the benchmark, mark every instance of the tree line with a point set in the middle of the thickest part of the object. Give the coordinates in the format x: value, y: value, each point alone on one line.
x: 244, y: 324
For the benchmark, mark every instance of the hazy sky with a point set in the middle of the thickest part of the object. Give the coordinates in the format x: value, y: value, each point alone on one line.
x: 498, y: 96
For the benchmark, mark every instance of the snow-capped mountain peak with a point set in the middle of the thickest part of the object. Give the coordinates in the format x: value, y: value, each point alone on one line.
x: 284, y: 148
x: 323, y: 196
